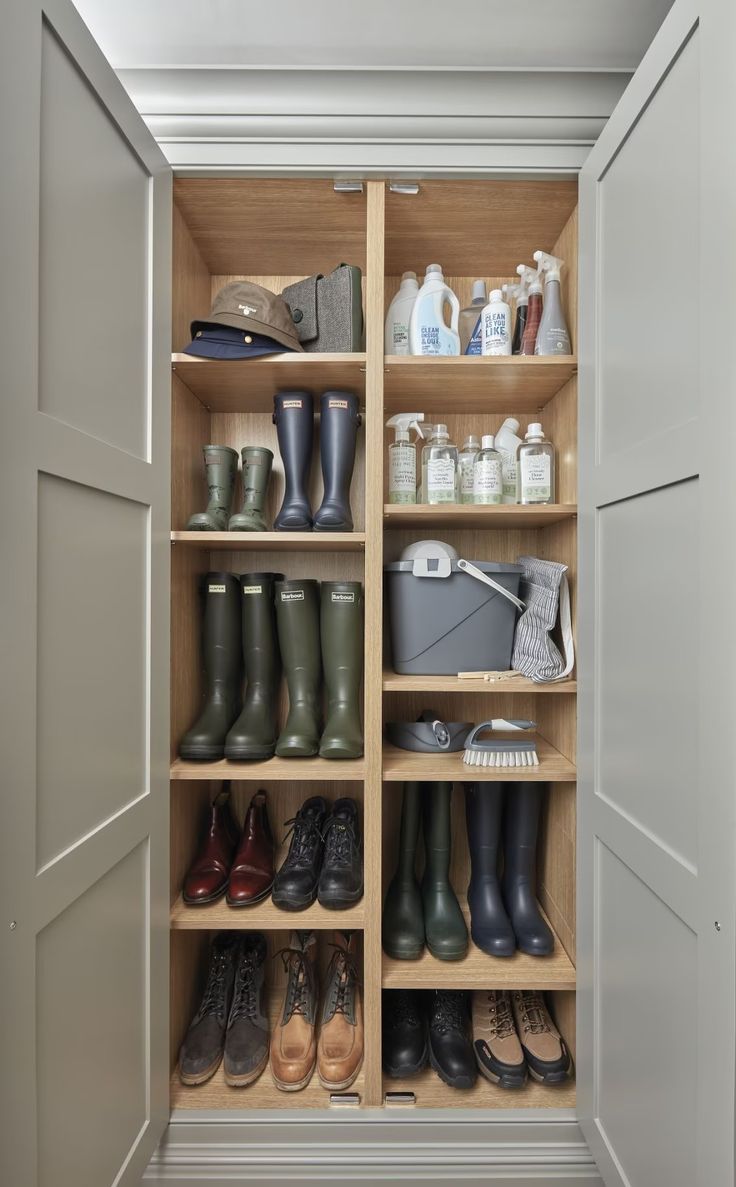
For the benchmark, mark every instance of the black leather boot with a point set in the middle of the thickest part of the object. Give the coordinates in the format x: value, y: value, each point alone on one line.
x: 341, y: 878
x: 297, y: 620
x: 222, y: 655
x: 444, y: 925
x: 295, y: 885
x: 490, y: 926
x: 338, y: 430
x: 521, y: 823
x: 404, y: 1045
x: 450, y: 1047
x: 254, y: 734
x: 294, y: 420
x: 201, y: 1052
x: 403, y: 914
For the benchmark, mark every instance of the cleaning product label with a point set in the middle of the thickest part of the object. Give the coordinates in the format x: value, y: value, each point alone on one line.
x: 400, y: 337
x: 252, y: 589
x: 292, y: 595
x: 430, y: 340
x: 509, y: 470
x: 402, y: 475
x: 466, y: 479
x: 216, y: 589
x: 475, y: 345
x: 441, y: 480
x: 496, y: 337
x: 343, y: 597
x: 536, y: 485
x: 337, y: 403
x: 292, y: 404
x: 487, y: 481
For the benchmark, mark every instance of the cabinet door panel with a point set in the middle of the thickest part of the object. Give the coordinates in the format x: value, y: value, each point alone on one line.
x: 657, y: 682
x: 84, y: 474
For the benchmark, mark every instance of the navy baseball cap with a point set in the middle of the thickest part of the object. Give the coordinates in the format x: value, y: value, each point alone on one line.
x: 212, y: 341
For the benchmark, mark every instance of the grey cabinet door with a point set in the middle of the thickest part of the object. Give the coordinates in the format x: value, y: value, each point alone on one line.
x: 84, y: 481
x: 657, y: 642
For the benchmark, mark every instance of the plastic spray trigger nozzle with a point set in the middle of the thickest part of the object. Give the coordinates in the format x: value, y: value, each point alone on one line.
x: 552, y: 265
x: 403, y: 421
x: 531, y: 280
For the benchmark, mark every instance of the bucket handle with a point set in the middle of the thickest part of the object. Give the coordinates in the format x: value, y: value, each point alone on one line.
x: 472, y: 571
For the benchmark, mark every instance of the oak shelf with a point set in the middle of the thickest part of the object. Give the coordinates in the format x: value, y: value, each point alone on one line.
x: 272, y: 541
x: 461, y: 384
x: 429, y: 1091
x: 402, y: 765
x: 249, y: 385
x: 272, y: 770
x: 265, y: 915
x: 393, y: 682
x: 457, y: 515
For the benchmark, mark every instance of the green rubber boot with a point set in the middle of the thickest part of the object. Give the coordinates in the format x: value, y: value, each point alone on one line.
x: 403, y: 914
x: 444, y: 925
x: 341, y: 631
x: 297, y: 619
x: 253, y: 736
x: 221, y: 653
x: 221, y: 467
x: 257, y: 462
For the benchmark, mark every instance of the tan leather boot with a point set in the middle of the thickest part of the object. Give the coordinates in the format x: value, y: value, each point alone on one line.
x: 294, y: 1041
x: 495, y: 1041
x: 545, y: 1051
x: 340, y: 1049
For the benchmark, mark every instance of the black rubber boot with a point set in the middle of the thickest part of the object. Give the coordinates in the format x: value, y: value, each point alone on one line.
x: 253, y: 736
x: 521, y: 823
x: 341, y: 633
x: 403, y: 914
x: 490, y: 926
x: 297, y: 619
x: 444, y: 925
x: 221, y: 652
x: 338, y: 429
x: 294, y: 420
x: 257, y: 462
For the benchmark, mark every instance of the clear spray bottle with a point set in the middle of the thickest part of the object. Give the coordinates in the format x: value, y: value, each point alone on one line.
x: 553, y: 336
x: 402, y: 457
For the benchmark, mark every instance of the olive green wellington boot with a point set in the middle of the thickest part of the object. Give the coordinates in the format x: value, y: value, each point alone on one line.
x: 403, y: 914
x: 297, y: 620
x: 341, y: 632
x: 221, y: 654
x: 221, y: 467
x: 253, y: 736
x: 444, y: 925
x: 257, y: 462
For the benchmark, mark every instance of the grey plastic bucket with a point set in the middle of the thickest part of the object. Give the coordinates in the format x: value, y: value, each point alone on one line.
x: 442, y: 625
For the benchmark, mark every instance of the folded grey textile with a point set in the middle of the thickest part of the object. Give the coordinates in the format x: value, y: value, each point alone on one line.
x: 328, y: 310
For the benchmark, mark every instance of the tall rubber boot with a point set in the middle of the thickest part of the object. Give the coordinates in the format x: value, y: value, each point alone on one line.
x: 253, y: 736
x: 297, y: 619
x: 444, y: 925
x: 221, y: 652
x: 490, y: 926
x: 521, y: 824
x: 403, y: 914
x: 294, y: 420
x: 338, y: 430
x: 257, y: 462
x: 221, y: 467
x: 341, y: 632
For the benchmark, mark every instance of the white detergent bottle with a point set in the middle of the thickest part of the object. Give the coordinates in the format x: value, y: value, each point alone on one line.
x: 396, y: 337
x: 429, y: 333
x: 507, y: 444
x: 553, y: 336
x: 496, y: 325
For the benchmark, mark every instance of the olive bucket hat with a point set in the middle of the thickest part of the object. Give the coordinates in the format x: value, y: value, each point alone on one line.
x: 246, y: 320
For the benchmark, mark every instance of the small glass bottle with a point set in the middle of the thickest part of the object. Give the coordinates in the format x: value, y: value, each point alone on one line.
x: 488, y: 473
x: 439, y: 467
x: 536, y: 468
x: 465, y: 460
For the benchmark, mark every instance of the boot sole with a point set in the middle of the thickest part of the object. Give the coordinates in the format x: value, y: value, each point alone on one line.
x: 338, y: 752
x: 451, y: 1081
x: 201, y: 1077
x: 297, y: 751
x: 549, y: 1077
x: 249, y: 1077
x: 460, y: 954
x: 287, y: 1086
x: 291, y: 905
x: 412, y: 954
x: 493, y: 951
x: 413, y: 1069
x: 249, y: 755
x: 211, y: 754
x: 340, y: 904
x: 248, y: 902
x: 340, y: 1085
x: 202, y: 902
x: 509, y: 1080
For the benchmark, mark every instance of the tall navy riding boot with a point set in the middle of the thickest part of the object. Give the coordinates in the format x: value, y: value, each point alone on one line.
x: 521, y: 823
x: 338, y: 430
x: 294, y: 420
x: 489, y: 924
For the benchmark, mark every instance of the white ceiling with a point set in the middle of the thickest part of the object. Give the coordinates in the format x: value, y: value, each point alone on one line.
x: 466, y: 34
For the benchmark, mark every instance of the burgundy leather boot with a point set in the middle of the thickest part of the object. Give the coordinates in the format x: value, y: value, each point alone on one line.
x: 207, y: 876
x: 251, y: 876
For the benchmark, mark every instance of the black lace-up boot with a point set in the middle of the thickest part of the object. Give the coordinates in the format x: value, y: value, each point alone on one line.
x: 404, y: 1045
x: 246, y: 1040
x: 295, y: 885
x: 201, y: 1052
x: 450, y: 1049
x: 341, y: 880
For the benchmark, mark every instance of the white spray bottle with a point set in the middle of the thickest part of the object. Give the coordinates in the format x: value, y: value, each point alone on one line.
x: 429, y: 333
x: 402, y: 457
x: 396, y: 337
x: 552, y: 336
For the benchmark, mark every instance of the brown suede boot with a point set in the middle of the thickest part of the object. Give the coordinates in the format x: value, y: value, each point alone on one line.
x: 495, y: 1041
x: 294, y: 1041
x: 545, y: 1051
x: 340, y: 1050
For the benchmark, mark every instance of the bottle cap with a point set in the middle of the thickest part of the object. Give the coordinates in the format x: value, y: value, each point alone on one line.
x: 408, y: 276
x: 440, y: 431
x: 488, y: 441
x: 511, y: 423
x: 471, y: 442
x: 402, y: 435
x: 433, y: 270
x: 479, y: 291
x: 534, y: 430
x: 496, y: 295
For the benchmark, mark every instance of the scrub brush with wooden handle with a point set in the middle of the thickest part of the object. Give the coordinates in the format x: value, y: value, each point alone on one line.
x: 501, y: 752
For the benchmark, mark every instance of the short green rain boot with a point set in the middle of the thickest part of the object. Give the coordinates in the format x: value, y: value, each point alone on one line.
x: 221, y: 466
x: 257, y: 462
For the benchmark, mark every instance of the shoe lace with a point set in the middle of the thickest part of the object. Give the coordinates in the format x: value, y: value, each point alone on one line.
x: 533, y: 1013
x: 214, y: 993
x: 343, y: 977
x: 245, y: 998
x: 341, y: 843
x: 449, y: 1011
x: 297, y: 989
x: 305, y: 840
x: 502, y: 1022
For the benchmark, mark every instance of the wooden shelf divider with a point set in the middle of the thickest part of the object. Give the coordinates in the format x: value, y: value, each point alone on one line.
x: 402, y: 765
x: 393, y: 682
x: 430, y: 1092
x: 512, y: 383
x: 457, y: 515
x: 272, y: 770
x: 265, y: 915
x: 272, y: 541
x: 249, y: 385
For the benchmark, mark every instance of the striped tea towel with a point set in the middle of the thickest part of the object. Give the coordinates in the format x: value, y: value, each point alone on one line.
x: 545, y: 590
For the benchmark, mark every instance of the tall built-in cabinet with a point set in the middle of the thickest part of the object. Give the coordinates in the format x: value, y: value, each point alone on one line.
x: 274, y: 231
